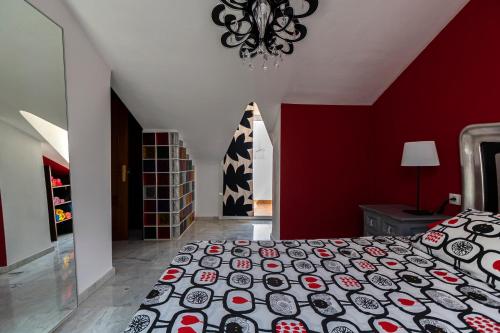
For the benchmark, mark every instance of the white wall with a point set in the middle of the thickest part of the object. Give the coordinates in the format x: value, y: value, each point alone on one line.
x: 51, y: 153
x: 276, y: 139
x: 88, y: 91
x: 262, y: 162
x: 24, y: 197
x: 208, y: 184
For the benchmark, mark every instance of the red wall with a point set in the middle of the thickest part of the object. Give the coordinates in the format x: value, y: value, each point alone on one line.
x: 3, y: 248
x: 453, y: 83
x: 334, y: 158
x: 55, y: 166
x: 324, y: 166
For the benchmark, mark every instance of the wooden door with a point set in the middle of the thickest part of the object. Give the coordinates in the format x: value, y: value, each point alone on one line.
x: 119, y: 168
x: 135, y: 178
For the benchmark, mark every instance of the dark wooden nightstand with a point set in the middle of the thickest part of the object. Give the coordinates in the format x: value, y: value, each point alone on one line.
x: 391, y: 220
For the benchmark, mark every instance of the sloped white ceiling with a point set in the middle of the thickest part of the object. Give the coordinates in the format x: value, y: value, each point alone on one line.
x: 172, y: 72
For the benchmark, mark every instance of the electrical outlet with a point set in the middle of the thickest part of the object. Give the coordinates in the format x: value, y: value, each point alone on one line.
x: 455, y: 199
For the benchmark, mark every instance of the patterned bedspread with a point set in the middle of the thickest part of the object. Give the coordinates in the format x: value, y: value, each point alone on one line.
x: 376, y: 284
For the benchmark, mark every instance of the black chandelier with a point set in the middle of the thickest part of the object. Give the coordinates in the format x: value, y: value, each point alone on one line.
x: 266, y: 28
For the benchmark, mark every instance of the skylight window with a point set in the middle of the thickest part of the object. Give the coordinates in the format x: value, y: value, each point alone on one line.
x: 56, y: 136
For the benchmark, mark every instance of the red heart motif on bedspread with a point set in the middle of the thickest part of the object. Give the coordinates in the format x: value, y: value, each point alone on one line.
x: 186, y: 329
x: 450, y: 279
x: 189, y: 320
x: 272, y: 265
x: 214, y: 249
x: 496, y: 265
x: 239, y: 300
x: 454, y: 221
x: 388, y: 327
x: 392, y: 263
x: 169, y: 277
x: 407, y: 302
x: 314, y: 285
x: 172, y: 271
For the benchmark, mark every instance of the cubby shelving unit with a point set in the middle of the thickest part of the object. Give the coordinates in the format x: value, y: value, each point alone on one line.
x: 57, y: 225
x: 168, y: 185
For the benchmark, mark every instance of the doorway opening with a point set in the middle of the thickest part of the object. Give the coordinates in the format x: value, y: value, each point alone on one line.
x: 126, y: 172
x: 247, y: 169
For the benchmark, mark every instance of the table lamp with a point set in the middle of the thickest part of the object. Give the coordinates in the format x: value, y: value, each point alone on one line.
x: 419, y: 154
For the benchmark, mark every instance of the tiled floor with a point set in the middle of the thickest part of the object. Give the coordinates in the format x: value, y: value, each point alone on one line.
x: 38, y: 295
x: 138, y: 266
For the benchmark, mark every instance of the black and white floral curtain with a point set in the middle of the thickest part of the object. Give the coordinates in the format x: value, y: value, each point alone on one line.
x: 238, y: 169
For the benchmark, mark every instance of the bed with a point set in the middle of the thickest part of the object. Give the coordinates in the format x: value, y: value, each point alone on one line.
x: 380, y: 284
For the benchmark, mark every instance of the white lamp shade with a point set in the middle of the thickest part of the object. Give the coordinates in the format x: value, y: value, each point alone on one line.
x: 420, y: 153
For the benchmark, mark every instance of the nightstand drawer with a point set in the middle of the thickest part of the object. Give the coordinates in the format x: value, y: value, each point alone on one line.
x: 393, y: 220
x: 372, y: 221
x: 389, y: 227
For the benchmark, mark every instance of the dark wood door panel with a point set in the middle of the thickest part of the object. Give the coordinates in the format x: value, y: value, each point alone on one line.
x: 119, y: 167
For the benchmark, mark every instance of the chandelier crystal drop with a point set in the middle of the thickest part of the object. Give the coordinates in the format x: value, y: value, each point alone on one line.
x: 263, y: 30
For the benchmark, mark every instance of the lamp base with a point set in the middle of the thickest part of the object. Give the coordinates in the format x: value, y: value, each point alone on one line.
x: 418, y: 212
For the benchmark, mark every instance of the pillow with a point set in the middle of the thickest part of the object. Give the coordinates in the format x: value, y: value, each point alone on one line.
x: 469, y: 241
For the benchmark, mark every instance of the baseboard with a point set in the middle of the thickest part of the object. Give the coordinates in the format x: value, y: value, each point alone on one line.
x: 25, y: 261
x: 267, y: 218
x: 95, y: 286
x: 65, y: 319
x: 206, y: 218
x: 263, y: 202
x: 215, y: 218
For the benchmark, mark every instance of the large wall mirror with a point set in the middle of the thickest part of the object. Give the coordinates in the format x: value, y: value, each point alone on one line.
x: 480, y: 159
x: 37, y: 259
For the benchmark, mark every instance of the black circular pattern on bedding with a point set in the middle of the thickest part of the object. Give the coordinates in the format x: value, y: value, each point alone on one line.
x: 197, y: 297
x: 242, y: 280
x: 446, y: 300
x: 153, y: 294
x: 481, y: 296
x: 289, y: 287
x: 138, y: 324
x: 462, y: 248
x: 482, y: 228
x: 419, y: 261
x: 367, y: 303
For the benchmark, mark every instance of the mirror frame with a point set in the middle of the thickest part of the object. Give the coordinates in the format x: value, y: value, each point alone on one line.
x: 470, y: 141
x: 77, y: 298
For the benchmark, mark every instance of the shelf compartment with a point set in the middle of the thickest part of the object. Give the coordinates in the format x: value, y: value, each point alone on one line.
x: 150, y: 206
x: 149, y: 219
x: 163, y: 219
x: 150, y: 233
x: 168, y: 176
x: 148, y: 153
x: 164, y: 233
